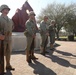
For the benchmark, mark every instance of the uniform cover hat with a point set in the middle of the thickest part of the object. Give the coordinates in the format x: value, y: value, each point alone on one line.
x: 4, y: 7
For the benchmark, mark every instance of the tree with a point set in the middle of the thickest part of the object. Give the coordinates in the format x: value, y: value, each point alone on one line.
x: 71, y: 23
x: 60, y: 13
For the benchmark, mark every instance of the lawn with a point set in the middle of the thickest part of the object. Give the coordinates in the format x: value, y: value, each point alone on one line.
x: 65, y: 37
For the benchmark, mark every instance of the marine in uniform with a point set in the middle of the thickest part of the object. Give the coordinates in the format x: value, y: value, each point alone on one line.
x: 30, y: 34
x: 51, y: 29
x: 44, y: 35
x: 6, y: 26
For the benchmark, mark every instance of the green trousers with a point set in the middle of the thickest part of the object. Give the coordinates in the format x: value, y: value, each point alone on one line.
x: 52, y: 37
x: 7, y: 51
x: 44, y: 43
x: 30, y: 48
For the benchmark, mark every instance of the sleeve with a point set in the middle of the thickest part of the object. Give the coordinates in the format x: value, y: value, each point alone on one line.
x: 12, y: 25
x: 41, y: 27
x: 1, y: 27
x: 29, y: 29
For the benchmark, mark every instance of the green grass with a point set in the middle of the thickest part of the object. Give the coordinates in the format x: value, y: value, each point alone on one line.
x: 75, y: 37
x: 65, y: 37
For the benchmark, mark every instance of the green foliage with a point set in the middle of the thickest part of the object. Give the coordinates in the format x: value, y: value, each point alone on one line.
x: 64, y: 15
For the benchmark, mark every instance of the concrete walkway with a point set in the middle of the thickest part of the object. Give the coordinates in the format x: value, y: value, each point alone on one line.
x: 61, y: 61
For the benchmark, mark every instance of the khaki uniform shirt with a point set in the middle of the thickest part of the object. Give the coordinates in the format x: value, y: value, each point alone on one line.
x: 31, y: 28
x: 43, y: 28
x: 6, y: 26
x: 51, y: 28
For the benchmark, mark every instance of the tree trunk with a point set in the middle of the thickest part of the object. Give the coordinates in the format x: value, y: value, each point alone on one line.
x: 57, y: 34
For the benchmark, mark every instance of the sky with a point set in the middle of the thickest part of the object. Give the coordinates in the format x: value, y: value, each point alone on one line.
x: 37, y: 5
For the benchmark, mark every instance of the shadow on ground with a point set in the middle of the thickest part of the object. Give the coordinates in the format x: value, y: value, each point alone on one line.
x: 60, y: 60
x: 36, y: 51
x: 8, y: 73
x: 40, y: 69
x: 18, y: 52
x: 65, y: 53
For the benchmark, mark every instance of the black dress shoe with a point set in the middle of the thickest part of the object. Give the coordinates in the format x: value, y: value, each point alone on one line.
x: 34, y: 58
x: 42, y: 54
x: 29, y: 61
x: 46, y: 52
x: 10, y: 68
x: 2, y: 73
x: 52, y: 49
